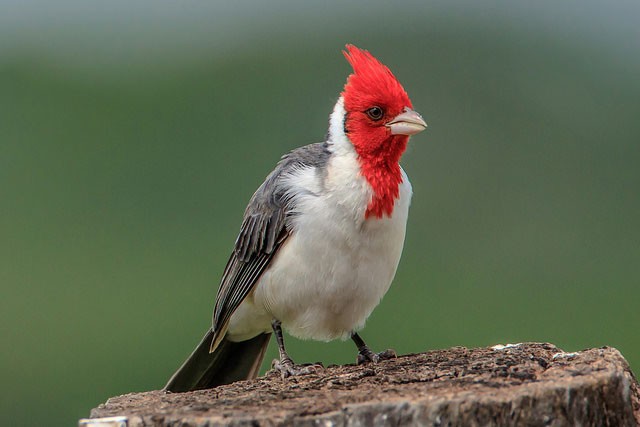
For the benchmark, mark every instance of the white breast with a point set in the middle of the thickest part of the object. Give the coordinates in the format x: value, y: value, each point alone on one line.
x: 336, y: 266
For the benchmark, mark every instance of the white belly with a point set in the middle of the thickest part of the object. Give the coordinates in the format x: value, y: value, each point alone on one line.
x: 330, y: 273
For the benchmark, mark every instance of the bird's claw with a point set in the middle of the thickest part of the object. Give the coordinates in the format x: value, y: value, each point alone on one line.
x: 287, y: 368
x: 366, y: 355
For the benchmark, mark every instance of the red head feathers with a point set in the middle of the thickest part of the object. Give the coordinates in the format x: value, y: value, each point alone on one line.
x: 372, y: 81
x: 374, y: 101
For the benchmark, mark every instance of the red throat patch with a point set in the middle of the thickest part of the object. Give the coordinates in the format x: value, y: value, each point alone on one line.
x: 384, y: 177
x: 373, y: 86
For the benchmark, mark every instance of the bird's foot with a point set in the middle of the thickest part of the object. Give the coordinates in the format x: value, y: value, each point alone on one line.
x: 366, y: 355
x: 287, y: 368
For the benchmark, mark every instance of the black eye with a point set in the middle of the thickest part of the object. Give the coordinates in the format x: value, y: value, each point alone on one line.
x: 375, y: 113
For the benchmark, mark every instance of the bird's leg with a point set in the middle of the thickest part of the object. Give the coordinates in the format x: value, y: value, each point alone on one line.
x: 285, y: 365
x: 366, y: 355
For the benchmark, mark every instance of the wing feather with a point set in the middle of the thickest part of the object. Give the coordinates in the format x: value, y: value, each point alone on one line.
x: 264, y: 229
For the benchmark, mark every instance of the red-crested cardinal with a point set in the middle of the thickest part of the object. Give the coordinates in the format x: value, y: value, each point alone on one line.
x: 320, y: 239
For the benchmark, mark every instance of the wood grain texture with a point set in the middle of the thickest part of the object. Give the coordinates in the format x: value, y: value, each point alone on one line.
x: 526, y: 384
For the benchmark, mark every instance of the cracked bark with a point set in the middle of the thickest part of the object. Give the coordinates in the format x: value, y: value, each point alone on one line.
x: 525, y: 384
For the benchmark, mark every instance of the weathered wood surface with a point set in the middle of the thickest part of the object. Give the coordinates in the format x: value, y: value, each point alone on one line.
x: 515, y: 385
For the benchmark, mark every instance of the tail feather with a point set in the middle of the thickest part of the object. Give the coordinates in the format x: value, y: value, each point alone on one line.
x: 229, y: 362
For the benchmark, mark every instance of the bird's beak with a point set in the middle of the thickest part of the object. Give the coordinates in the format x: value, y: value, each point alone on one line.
x: 407, y: 123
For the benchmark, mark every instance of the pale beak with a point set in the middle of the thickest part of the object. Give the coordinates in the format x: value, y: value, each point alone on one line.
x: 407, y: 123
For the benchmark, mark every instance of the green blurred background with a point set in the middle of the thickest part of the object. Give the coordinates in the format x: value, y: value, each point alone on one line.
x: 132, y: 134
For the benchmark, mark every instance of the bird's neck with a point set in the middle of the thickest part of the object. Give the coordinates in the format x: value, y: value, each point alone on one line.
x: 382, y: 171
x: 381, y: 168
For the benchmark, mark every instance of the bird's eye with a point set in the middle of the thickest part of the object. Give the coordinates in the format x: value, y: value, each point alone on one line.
x: 375, y: 113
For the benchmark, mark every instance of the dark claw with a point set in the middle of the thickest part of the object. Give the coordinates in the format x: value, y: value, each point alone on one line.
x: 287, y: 368
x: 366, y: 355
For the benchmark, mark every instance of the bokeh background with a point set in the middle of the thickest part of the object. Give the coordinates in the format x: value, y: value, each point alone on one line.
x: 132, y: 134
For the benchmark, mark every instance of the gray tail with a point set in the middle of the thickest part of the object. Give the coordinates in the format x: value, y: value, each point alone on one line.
x: 229, y: 362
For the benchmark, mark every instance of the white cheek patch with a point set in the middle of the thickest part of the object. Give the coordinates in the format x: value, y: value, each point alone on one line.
x: 336, y: 124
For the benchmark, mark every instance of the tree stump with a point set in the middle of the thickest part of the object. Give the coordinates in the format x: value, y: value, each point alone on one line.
x: 516, y: 384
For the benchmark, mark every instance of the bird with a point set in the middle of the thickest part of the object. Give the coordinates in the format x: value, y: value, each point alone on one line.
x: 320, y: 239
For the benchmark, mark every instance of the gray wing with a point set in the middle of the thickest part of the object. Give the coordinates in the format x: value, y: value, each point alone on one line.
x: 264, y: 229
